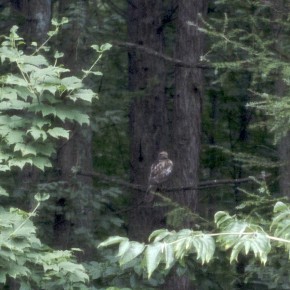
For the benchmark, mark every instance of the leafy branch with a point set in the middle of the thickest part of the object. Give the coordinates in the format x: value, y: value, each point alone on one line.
x: 39, y: 199
x: 36, y: 100
x: 240, y: 236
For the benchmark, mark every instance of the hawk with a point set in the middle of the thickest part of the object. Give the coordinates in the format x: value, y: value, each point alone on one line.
x: 159, y: 173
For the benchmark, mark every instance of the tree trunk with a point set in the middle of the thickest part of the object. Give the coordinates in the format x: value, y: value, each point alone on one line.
x: 37, y: 15
x: 187, y: 115
x: 188, y: 102
x: 279, y: 14
x: 74, y: 215
x: 148, y: 110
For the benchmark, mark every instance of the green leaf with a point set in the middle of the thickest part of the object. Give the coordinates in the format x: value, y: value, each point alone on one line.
x: 95, y: 47
x: 13, y: 136
x: 58, y: 54
x: 207, y: 248
x: 45, y: 110
x: 82, y: 94
x: 153, y: 256
x: 13, y: 105
x: 77, y: 271
x: 25, y: 149
x: 41, y: 162
x: 3, y: 191
x: 106, y: 46
x: 168, y: 256
x: 259, y: 243
x: 36, y: 133
x: 4, y: 168
x: 96, y: 73
x: 280, y: 206
x: 58, y: 132
x: 112, y: 241
x: 123, y: 247
x: 46, y: 149
x: 72, y: 115
x: 8, y: 94
x: 222, y: 219
x: 71, y: 83
x: 134, y: 250
x: 36, y: 60
x: 41, y: 197
x: 19, y: 162
x: 15, y: 80
x: 159, y: 235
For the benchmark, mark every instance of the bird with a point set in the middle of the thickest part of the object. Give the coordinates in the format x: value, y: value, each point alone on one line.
x: 160, y: 171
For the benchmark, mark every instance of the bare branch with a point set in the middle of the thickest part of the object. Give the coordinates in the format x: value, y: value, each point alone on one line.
x: 202, y: 185
x: 167, y: 58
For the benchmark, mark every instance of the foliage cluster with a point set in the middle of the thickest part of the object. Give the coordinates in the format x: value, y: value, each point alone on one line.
x: 36, y: 99
x: 34, y: 265
x: 238, y: 235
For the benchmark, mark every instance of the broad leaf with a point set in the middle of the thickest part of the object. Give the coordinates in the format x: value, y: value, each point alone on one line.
x: 134, y: 250
x: 153, y: 256
x: 58, y: 132
x: 112, y: 241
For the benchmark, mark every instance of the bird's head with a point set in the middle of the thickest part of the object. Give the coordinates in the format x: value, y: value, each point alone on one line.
x: 163, y: 155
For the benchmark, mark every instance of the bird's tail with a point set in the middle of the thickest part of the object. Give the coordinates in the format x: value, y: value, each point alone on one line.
x: 149, y: 196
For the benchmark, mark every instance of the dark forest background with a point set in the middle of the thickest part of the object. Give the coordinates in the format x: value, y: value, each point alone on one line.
x: 207, y: 81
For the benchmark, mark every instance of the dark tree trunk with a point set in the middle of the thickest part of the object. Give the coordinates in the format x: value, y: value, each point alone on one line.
x: 148, y: 110
x: 279, y: 14
x: 188, y: 102
x: 37, y: 16
x: 74, y: 216
x: 187, y: 115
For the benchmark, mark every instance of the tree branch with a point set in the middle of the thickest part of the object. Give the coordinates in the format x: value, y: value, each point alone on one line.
x: 167, y: 58
x: 202, y: 185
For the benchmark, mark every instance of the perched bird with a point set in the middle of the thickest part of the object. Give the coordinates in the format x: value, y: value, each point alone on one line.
x: 159, y: 173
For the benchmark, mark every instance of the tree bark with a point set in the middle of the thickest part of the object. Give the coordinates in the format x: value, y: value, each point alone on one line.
x: 188, y: 101
x: 187, y: 114
x: 73, y: 225
x: 279, y: 14
x: 37, y: 16
x: 148, y: 110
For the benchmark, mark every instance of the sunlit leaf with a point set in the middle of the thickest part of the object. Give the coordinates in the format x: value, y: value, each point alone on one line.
x: 112, y: 241
x: 134, y: 250
x: 58, y: 132
x: 153, y: 256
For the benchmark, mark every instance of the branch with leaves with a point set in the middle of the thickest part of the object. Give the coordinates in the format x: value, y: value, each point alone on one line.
x: 238, y: 236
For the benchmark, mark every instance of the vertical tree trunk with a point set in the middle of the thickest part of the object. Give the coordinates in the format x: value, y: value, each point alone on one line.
x: 187, y: 114
x: 279, y: 14
x: 148, y: 110
x: 188, y: 101
x: 37, y: 15
x: 74, y: 215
